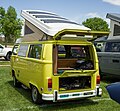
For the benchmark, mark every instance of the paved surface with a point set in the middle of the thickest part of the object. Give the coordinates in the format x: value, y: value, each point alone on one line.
x: 2, y: 60
x: 4, y: 65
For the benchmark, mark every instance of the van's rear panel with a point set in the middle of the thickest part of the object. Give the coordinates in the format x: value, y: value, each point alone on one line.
x: 75, y: 72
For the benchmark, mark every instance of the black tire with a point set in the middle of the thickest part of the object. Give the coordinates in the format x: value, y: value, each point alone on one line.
x: 7, y: 57
x: 16, y: 83
x: 36, y: 96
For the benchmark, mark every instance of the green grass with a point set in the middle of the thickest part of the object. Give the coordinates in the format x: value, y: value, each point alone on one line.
x: 19, y: 99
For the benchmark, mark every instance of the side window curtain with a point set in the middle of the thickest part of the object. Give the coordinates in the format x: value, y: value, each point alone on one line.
x: 30, y: 54
x: 35, y: 51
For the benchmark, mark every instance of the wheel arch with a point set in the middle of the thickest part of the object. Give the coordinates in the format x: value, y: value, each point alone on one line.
x: 31, y: 84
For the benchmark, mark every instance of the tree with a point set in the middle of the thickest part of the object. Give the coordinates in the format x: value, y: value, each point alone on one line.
x: 96, y: 24
x: 10, y: 26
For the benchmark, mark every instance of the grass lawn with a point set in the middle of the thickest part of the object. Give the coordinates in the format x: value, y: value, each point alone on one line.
x: 19, y: 99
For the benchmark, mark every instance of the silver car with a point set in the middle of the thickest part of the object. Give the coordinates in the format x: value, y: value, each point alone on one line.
x: 109, y: 58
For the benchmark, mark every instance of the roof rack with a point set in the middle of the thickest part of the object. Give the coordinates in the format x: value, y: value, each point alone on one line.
x: 49, y: 23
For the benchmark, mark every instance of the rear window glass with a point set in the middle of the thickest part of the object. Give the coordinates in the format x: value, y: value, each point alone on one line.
x: 72, y: 57
x: 68, y: 51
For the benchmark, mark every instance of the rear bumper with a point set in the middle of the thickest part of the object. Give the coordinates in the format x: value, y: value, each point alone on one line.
x: 65, y: 96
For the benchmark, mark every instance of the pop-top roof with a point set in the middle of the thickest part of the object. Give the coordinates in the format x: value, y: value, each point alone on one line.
x: 50, y: 23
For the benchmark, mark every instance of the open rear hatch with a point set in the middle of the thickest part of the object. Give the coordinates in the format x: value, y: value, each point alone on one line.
x: 75, y: 66
x: 78, y: 34
x: 74, y: 61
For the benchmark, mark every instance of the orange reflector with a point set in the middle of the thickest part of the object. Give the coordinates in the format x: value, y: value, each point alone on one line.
x: 98, y: 80
x: 49, y: 83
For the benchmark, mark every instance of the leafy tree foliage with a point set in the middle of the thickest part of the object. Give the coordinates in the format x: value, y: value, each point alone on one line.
x: 10, y: 26
x: 96, y: 24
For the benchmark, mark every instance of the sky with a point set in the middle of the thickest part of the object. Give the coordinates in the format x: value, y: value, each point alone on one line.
x: 75, y: 10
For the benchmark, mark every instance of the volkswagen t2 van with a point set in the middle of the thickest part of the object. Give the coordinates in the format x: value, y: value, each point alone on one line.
x: 54, y: 59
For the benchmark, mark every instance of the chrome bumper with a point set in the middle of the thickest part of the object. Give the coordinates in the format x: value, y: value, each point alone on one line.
x: 65, y: 96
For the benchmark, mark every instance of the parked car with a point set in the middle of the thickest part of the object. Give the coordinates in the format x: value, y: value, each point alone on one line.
x: 109, y: 58
x: 5, y: 52
x: 114, y: 91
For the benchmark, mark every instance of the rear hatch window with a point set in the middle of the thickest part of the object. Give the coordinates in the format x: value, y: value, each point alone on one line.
x: 72, y: 57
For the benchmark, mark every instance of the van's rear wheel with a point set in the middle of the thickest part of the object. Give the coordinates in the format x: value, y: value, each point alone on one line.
x: 16, y: 83
x: 36, y: 96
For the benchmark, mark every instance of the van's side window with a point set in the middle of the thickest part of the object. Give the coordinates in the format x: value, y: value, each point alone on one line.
x: 23, y: 50
x: 35, y: 51
x: 15, y: 49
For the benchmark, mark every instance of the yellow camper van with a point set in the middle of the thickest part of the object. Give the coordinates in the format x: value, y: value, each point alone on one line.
x: 59, y: 67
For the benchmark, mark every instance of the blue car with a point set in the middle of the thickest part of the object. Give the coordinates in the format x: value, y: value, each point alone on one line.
x: 114, y: 91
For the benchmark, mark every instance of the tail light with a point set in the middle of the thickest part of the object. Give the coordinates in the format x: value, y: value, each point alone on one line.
x: 49, y: 83
x: 98, y: 79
